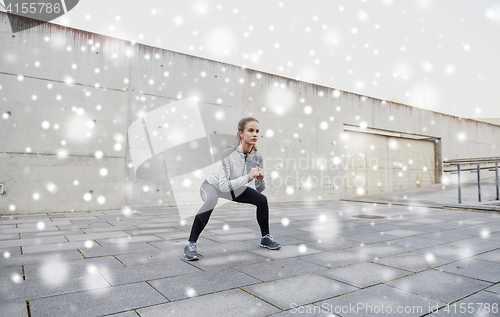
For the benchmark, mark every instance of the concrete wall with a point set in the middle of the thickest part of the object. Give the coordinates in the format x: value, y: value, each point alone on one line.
x: 72, y: 95
x: 489, y: 120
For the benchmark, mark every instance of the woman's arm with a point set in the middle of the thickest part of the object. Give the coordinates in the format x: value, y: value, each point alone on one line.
x: 260, y: 185
x: 225, y: 183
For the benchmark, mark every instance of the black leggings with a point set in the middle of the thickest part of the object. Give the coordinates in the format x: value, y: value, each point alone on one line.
x: 210, y: 196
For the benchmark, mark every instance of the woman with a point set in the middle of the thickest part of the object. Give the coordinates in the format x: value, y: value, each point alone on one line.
x: 240, y: 164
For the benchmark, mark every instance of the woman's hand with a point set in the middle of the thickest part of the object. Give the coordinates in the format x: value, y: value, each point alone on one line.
x: 261, y: 175
x: 254, y: 172
x: 257, y: 172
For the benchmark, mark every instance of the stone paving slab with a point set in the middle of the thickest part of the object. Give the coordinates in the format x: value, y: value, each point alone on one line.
x: 379, y: 300
x: 370, y: 238
x: 424, y: 228
x: 305, y: 310
x: 430, y: 221
x: 494, y: 289
x: 337, y: 243
x: 477, y: 243
x: 476, y: 231
x: 491, y: 256
x: 481, y: 270
x: 318, y: 228
x: 233, y: 230
x: 283, y: 240
x: 403, y: 233
x: 495, y: 236
x: 90, y: 222
x: 165, y: 250
x: 215, y: 248
x: 413, y: 262
x: 122, y: 227
x: 484, y: 218
x: 76, y: 217
x: 47, y: 223
x: 6, y: 219
x: 333, y: 259
x: 14, y: 308
x: 10, y: 274
x: 54, y: 269
x: 305, y: 236
x: 177, y: 235
x: 4, y: 228
x: 96, y: 236
x: 221, y: 260
x: 96, y: 225
x: 55, y: 285
x: 479, y: 304
x: 417, y: 242
x: 224, y: 304
x: 441, y: 286
x: 127, y: 240
x: 8, y: 236
x: 140, y: 232
x: 237, y: 236
x: 54, y: 247
x: 444, y: 236
x: 131, y: 313
x: 114, y: 250
x: 26, y: 259
x: 9, y: 253
x: 449, y: 252
x: 98, y: 302
x: 286, y: 251
x: 381, y: 249
x: 21, y: 221
x: 298, y: 290
x: 365, y: 274
x: 34, y: 241
x: 147, y: 272
x: 277, y: 269
x: 148, y: 257
x: 178, y: 245
x: 48, y: 233
x: 347, y: 232
x: 382, y: 227
x: 201, y: 283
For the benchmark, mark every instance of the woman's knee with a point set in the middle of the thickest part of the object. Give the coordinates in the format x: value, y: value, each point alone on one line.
x: 262, y: 200
x: 209, y: 205
x: 211, y: 202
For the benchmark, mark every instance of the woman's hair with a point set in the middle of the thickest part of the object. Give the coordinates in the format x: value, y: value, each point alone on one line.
x: 241, y: 127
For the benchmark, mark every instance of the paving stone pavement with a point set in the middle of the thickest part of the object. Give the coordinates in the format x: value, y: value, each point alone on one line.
x: 416, y: 261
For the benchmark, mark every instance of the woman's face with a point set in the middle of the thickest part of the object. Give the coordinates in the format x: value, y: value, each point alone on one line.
x: 251, y: 132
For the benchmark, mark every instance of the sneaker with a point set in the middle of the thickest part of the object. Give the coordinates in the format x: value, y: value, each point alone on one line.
x: 267, y: 241
x: 190, y: 253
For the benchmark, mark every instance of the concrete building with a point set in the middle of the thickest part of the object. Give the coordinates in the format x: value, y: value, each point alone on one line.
x: 68, y: 98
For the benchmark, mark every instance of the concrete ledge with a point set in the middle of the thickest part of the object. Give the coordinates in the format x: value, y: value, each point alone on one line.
x: 483, y: 208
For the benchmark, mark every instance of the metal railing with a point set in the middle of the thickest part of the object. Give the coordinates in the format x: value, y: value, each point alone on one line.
x: 477, y: 169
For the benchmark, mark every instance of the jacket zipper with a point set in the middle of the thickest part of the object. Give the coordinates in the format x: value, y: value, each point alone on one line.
x: 244, y: 165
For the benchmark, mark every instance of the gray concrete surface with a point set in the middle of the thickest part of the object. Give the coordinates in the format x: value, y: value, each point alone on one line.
x: 416, y: 259
x: 444, y: 195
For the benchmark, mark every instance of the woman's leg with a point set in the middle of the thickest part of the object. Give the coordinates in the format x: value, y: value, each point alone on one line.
x: 252, y: 196
x: 209, y: 195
